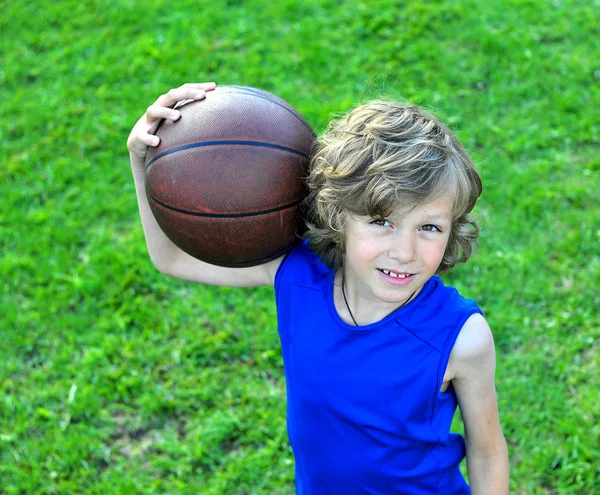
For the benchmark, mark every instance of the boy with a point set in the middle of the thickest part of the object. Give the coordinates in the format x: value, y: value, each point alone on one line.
x: 377, y: 352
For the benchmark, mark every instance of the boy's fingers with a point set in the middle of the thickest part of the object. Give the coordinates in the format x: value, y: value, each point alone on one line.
x: 140, y: 141
x: 159, y: 112
x: 143, y: 135
x: 149, y: 140
x: 192, y: 92
x: 207, y: 86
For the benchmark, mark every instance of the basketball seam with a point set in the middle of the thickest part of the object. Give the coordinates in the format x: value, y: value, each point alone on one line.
x: 202, y: 144
x: 253, y: 92
x: 224, y: 215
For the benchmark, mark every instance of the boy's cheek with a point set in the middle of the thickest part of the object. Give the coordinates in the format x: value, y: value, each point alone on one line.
x: 363, y: 254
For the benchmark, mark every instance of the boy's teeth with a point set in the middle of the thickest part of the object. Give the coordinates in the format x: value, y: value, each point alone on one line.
x: 392, y: 274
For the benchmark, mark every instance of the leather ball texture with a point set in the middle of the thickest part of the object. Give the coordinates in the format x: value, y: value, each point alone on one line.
x: 226, y: 180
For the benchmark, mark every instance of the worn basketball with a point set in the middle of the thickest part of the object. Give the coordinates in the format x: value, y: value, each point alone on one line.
x: 226, y: 180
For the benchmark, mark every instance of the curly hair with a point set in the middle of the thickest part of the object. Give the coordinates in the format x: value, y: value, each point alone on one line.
x: 381, y: 156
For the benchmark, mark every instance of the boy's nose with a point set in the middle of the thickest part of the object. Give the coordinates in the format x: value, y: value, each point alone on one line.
x: 403, y: 248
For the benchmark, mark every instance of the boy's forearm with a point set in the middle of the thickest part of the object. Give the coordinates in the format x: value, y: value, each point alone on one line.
x: 160, y: 247
x: 489, y: 474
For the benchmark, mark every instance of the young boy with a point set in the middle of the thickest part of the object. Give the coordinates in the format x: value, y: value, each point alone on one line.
x: 377, y: 352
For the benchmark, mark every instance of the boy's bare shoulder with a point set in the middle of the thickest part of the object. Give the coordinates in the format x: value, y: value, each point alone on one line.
x: 474, y: 347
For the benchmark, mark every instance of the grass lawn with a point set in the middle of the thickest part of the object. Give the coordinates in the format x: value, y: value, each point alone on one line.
x: 115, y: 379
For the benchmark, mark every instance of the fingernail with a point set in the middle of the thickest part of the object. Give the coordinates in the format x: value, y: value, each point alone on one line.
x: 175, y: 115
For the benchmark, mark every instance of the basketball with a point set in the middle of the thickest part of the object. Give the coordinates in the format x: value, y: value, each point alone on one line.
x: 226, y: 180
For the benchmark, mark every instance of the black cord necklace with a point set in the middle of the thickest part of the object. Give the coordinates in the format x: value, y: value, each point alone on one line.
x: 346, y: 300
x: 348, y: 306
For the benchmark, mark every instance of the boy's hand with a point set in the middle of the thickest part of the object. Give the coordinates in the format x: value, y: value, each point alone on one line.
x: 142, y: 135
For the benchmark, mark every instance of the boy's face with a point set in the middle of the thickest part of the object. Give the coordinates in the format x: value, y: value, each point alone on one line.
x: 389, y: 259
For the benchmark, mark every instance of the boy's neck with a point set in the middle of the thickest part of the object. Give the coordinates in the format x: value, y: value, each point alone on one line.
x: 358, y: 311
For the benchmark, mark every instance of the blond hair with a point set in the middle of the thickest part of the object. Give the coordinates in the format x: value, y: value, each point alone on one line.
x: 380, y: 156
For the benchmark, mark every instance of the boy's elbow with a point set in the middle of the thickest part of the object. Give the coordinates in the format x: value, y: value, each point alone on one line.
x: 163, y: 266
x: 164, y: 270
x: 492, y: 445
x: 180, y: 267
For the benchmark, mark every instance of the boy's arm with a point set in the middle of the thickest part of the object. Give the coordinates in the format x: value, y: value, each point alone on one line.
x: 474, y: 361
x: 165, y: 255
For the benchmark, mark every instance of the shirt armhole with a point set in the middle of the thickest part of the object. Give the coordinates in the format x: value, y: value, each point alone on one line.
x: 450, y: 345
x: 280, y: 268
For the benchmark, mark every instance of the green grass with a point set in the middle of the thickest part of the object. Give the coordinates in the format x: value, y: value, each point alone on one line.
x: 115, y: 379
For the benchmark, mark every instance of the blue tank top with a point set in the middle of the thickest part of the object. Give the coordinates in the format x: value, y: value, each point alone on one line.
x: 365, y: 415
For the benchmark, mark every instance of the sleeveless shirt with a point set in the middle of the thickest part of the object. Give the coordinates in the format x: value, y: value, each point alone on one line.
x: 364, y: 411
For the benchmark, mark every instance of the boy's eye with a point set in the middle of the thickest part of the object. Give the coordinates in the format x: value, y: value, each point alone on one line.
x: 380, y: 222
x: 430, y: 228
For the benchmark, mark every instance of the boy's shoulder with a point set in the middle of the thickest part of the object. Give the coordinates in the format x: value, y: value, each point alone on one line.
x: 474, y: 341
x: 438, y: 314
x: 439, y: 300
x: 302, y: 266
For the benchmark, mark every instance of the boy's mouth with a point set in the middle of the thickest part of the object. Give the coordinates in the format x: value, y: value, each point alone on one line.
x: 394, y: 274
